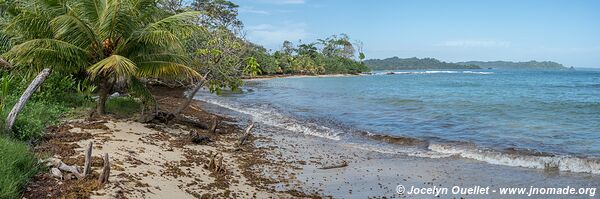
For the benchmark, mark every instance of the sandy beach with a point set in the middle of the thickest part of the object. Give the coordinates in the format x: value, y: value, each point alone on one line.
x: 160, y: 161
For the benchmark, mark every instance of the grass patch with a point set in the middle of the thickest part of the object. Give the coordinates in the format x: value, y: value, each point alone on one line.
x: 123, y: 107
x: 17, y: 166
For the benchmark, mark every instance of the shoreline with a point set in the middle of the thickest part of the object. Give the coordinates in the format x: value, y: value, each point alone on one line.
x: 374, y: 174
x: 156, y: 161
x: 268, y: 77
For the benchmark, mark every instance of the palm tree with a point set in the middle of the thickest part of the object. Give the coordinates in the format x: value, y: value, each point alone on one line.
x: 109, y: 41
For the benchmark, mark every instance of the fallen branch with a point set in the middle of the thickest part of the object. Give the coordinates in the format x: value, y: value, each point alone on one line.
x: 343, y: 164
x: 105, y: 170
x: 33, y: 86
x: 189, y: 122
x: 246, y: 134
x: 57, y: 163
x: 87, y: 168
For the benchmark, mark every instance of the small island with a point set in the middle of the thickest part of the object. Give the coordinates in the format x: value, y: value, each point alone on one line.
x: 414, y: 63
x: 530, y: 65
x: 396, y: 63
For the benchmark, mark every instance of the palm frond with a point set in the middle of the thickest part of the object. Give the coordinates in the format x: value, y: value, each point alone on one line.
x: 116, y: 20
x: 59, y: 55
x: 181, y: 25
x: 71, y: 29
x: 31, y: 25
x: 5, y: 43
x: 166, y: 57
x: 165, y: 69
x: 90, y: 10
x: 139, y: 89
x: 115, y: 67
x: 159, y: 38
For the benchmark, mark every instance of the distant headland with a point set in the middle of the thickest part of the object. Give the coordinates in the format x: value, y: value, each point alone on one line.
x: 396, y: 63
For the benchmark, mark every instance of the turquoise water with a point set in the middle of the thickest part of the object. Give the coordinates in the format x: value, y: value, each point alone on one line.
x: 539, y: 113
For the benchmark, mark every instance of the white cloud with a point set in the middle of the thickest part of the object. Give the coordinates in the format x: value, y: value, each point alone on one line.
x: 475, y: 43
x: 251, y: 10
x: 282, y: 1
x: 271, y: 35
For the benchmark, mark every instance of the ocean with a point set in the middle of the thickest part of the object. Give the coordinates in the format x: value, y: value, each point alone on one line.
x: 535, y: 119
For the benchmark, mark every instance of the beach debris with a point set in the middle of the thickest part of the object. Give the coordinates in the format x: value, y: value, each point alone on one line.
x: 215, y: 163
x: 199, y: 139
x: 105, y: 170
x: 33, y: 86
x: 57, y: 163
x: 56, y: 173
x: 343, y: 164
x: 246, y: 134
x: 215, y: 124
x: 87, y: 168
x: 186, y: 121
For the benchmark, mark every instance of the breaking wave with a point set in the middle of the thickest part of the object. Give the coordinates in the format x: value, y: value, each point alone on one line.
x: 433, y: 72
x: 416, y: 147
x: 536, y: 161
x: 270, y: 116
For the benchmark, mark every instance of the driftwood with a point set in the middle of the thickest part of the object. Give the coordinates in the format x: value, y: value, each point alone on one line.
x: 87, y: 168
x: 199, y: 139
x: 215, y: 124
x: 105, y: 170
x: 215, y: 163
x: 246, y: 134
x: 57, y: 163
x: 343, y: 164
x: 33, y: 86
x: 189, y: 122
x: 56, y: 173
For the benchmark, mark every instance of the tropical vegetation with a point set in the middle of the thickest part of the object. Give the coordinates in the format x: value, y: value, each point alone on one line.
x: 543, y: 65
x: 95, y: 48
x: 395, y: 63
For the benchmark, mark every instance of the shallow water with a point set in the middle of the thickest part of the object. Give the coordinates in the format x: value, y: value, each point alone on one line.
x: 548, y: 118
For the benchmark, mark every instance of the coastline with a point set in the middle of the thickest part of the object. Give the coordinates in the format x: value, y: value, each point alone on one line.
x: 156, y: 161
x: 376, y: 174
x: 268, y: 77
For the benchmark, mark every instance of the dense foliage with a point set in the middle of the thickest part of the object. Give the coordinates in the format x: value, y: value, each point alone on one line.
x: 395, y: 63
x: 516, y: 65
x: 333, y: 55
x: 97, y: 47
x: 107, y: 41
x: 17, y: 165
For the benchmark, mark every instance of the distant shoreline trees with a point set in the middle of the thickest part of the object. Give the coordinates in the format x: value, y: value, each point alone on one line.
x: 395, y: 63
x: 332, y: 55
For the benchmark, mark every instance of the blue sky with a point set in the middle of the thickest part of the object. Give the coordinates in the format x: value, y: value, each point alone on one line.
x: 459, y: 30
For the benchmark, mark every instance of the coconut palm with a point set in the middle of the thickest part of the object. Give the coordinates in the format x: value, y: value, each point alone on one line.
x: 110, y: 41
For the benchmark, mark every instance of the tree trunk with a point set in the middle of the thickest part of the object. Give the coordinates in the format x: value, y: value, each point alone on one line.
x: 103, y: 96
x: 33, y: 86
x: 191, y: 96
x: 189, y: 100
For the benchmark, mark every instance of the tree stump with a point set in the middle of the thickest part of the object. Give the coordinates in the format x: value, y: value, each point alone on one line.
x: 103, y: 179
x: 87, y: 168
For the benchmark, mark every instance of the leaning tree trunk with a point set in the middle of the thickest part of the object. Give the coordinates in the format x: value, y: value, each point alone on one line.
x: 188, y: 101
x: 33, y: 86
x: 102, y: 96
x: 190, y: 98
